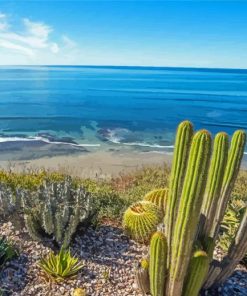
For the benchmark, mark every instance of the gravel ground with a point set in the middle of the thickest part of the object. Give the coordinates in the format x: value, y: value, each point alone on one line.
x: 109, y: 258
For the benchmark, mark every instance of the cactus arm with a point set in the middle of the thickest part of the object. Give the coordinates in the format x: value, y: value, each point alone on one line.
x: 33, y: 226
x: 197, y: 272
x: 142, y: 276
x: 189, y: 210
x: 236, y: 251
x: 179, y: 164
x: 232, y: 168
x: 157, y: 263
x: 214, y: 181
x: 214, y: 271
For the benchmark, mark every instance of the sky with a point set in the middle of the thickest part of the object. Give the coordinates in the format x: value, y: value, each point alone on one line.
x: 138, y: 33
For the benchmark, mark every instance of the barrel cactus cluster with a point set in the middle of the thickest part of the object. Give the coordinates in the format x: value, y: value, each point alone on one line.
x: 141, y: 219
x: 202, y: 177
x: 158, y: 197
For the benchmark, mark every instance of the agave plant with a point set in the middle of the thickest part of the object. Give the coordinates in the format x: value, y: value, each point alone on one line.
x: 7, y: 251
x: 61, y: 266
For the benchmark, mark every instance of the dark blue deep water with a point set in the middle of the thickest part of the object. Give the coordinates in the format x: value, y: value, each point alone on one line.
x: 105, y: 106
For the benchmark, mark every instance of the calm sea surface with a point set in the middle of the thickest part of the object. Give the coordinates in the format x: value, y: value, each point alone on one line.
x: 53, y: 108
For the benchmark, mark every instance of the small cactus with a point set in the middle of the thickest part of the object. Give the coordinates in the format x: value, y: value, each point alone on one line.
x: 197, y: 272
x: 142, y: 276
x: 141, y: 219
x: 158, y: 197
x: 157, y: 264
x: 79, y: 292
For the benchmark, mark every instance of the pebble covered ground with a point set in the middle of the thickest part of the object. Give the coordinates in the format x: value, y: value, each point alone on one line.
x: 108, y: 255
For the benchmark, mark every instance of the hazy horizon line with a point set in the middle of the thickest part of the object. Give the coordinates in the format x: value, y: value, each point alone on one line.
x: 127, y: 66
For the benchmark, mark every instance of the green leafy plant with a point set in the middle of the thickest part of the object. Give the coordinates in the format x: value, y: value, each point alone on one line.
x: 230, y: 223
x: 7, y: 251
x: 61, y: 266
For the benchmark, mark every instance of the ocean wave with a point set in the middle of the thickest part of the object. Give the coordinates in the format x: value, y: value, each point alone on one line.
x: 174, y: 91
x: 44, y: 140
x: 157, y: 152
x: 148, y: 145
x: 119, y: 136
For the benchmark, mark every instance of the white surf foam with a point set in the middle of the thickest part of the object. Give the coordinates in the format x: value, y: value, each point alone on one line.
x: 45, y: 140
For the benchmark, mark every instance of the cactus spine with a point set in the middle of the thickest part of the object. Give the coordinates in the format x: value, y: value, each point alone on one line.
x: 188, y: 211
x: 158, y: 197
x: 214, y: 182
x: 141, y: 219
x: 157, y: 264
x: 197, y: 272
x: 181, y: 152
x: 232, y: 168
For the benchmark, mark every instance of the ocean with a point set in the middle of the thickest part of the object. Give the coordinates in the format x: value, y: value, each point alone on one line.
x: 60, y: 110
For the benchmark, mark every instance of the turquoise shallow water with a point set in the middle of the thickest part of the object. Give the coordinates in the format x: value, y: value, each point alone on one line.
x: 68, y: 109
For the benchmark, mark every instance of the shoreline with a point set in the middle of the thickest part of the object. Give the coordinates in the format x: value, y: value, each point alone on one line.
x: 94, y: 164
x: 99, y: 164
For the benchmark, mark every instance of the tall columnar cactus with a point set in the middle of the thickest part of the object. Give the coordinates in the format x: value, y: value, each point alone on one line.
x: 157, y: 264
x: 142, y: 276
x: 158, y: 197
x: 188, y: 211
x: 181, y: 153
x: 214, y: 182
x: 232, y: 168
x: 197, y: 193
x: 197, y: 272
x: 141, y: 219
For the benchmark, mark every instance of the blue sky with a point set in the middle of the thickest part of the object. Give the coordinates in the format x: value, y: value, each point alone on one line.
x: 155, y: 33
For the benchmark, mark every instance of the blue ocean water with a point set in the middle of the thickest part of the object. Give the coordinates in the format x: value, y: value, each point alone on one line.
x: 115, y: 107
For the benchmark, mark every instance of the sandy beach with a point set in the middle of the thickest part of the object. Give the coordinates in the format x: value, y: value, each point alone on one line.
x: 100, y: 164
